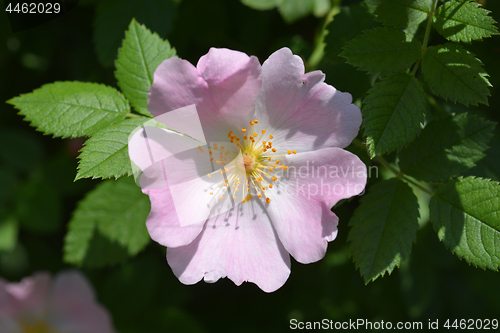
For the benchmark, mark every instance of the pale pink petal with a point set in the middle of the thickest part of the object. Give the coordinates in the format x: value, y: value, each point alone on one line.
x: 74, y: 308
x: 29, y: 296
x: 222, y: 100
x: 149, y: 145
x: 300, y: 110
x: 240, y: 244
x: 8, y: 310
x: 163, y: 224
x: 8, y: 304
x: 234, y: 80
x: 9, y: 325
x: 303, y: 195
x: 177, y: 83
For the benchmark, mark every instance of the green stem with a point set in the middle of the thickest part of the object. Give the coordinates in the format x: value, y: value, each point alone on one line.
x: 427, y: 34
x: 319, y: 43
x: 439, y: 109
x: 401, y: 175
x: 396, y: 172
x: 133, y: 115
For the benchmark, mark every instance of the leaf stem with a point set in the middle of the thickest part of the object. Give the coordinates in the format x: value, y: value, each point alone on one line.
x: 427, y: 34
x: 133, y: 115
x: 396, y: 172
x: 319, y: 47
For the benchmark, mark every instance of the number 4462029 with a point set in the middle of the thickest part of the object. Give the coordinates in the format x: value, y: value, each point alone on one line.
x: 34, y: 8
x: 472, y: 324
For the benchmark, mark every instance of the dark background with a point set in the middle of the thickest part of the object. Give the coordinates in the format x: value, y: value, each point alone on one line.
x: 37, y: 189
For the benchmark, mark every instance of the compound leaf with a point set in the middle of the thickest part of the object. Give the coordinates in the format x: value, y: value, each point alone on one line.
x: 466, y: 216
x: 108, y: 225
x: 105, y: 154
x: 383, y: 228
x: 464, y: 21
x: 382, y: 50
x: 447, y: 147
x: 394, y: 109
x: 455, y: 74
x: 72, y: 109
x: 142, y: 51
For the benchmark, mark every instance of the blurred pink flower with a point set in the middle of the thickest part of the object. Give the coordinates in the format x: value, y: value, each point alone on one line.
x: 288, y: 126
x: 42, y: 304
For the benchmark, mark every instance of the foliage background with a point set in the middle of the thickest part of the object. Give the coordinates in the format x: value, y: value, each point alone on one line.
x: 38, y: 195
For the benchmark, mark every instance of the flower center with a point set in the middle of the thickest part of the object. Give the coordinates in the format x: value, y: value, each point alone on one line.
x: 248, y: 162
x: 260, y: 159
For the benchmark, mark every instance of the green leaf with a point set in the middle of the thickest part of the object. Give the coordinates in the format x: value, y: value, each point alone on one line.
x: 105, y: 154
x: 293, y: 10
x: 455, y: 74
x: 346, y: 25
x: 383, y: 228
x: 447, y: 147
x: 8, y: 233
x: 466, y: 216
x: 112, y: 18
x: 394, y: 109
x: 489, y: 166
x: 261, y: 4
x: 72, y: 109
x: 463, y: 21
x: 399, y: 13
x: 142, y: 51
x: 382, y: 50
x: 111, y: 219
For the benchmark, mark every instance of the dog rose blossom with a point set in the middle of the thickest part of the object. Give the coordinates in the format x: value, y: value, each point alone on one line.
x: 42, y: 304
x: 253, y: 178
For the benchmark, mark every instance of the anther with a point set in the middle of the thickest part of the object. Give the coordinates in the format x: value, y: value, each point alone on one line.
x: 275, y: 178
x: 270, y: 137
x: 268, y: 200
x: 289, y: 152
x: 243, y: 130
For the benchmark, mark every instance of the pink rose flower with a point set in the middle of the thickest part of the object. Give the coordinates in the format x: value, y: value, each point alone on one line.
x: 271, y: 152
x: 42, y: 304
